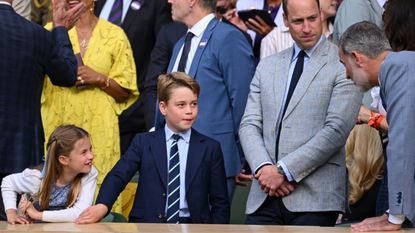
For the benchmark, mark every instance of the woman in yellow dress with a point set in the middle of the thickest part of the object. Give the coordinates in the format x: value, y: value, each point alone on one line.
x: 110, y: 75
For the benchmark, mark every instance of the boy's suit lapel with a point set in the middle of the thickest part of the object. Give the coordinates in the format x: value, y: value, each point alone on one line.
x: 201, y: 48
x: 159, y: 151
x: 194, y: 157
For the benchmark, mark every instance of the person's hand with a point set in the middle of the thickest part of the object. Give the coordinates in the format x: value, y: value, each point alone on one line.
x: 285, y: 188
x: 364, y: 115
x: 235, y: 20
x: 29, y: 211
x: 380, y: 223
x: 259, y: 26
x: 269, y: 178
x: 92, y: 214
x: 13, y: 217
x: 87, y: 75
x: 62, y: 17
x: 242, y: 177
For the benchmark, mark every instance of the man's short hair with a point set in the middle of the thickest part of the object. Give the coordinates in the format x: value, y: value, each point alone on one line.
x: 366, y: 38
x: 208, y: 5
x: 285, y: 3
x: 168, y: 82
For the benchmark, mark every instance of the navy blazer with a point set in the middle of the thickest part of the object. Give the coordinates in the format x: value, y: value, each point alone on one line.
x: 224, y: 68
x: 205, y: 179
x: 27, y: 53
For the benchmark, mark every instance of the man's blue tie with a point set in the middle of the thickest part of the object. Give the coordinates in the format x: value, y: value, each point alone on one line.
x: 298, y: 70
x: 174, y: 183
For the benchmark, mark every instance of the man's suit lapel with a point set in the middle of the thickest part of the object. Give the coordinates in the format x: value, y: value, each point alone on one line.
x: 317, y: 60
x: 176, y: 51
x: 280, y: 85
x: 159, y: 150
x: 201, y: 49
x: 129, y: 17
x: 194, y: 157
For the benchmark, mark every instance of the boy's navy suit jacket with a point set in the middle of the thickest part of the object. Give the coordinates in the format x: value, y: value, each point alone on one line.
x: 205, y: 179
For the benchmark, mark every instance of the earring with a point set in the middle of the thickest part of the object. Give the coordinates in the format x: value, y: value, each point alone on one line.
x: 190, y: 9
x: 93, y: 6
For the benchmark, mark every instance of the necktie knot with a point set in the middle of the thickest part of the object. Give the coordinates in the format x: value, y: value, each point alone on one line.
x: 189, y: 36
x: 176, y: 137
x: 301, y: 54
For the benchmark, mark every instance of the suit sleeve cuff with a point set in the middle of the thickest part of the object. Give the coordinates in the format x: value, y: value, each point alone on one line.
x: 396, y: 218
x: 287, y: 173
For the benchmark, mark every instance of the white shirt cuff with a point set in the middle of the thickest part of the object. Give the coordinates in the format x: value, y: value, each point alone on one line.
x: 287, y: 173
x: 396, y: 218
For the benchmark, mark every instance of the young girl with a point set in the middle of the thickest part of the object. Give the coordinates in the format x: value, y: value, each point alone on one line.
x: 68, y: 184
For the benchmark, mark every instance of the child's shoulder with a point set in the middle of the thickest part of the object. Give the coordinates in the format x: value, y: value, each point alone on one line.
x: 31, y: 172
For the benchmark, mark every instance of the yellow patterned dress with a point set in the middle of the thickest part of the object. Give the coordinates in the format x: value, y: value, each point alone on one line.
x: 91, y: 108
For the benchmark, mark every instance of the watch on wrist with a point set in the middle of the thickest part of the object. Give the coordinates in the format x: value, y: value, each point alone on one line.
x: 280, y: 169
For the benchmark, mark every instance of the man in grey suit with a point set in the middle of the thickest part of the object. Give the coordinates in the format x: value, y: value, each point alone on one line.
x: 296, y: 144
x: 366, y: 53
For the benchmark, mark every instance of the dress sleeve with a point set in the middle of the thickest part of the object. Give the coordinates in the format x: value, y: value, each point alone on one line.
x: 123, y: 71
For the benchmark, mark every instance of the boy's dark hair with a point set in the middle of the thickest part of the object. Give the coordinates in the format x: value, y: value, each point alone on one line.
x: 168, y: 82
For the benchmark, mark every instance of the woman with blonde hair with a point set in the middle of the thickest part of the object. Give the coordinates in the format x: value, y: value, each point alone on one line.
x: 364, y: 160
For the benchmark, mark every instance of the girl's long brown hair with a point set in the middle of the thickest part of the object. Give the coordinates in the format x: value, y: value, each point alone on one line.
x: 61, y: 142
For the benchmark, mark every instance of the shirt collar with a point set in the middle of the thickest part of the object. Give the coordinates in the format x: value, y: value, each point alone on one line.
x: 200, y: 26
x: 5, y: 3
x: 308, y: 51
x: 184, y: 134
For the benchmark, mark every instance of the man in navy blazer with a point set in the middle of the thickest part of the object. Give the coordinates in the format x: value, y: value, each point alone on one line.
x: 203, y: 193
x: 222, y: 62
x: 27, y: 53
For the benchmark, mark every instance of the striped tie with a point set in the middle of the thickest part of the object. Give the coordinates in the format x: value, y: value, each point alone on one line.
x: 185, y: 53
x: 174, y: 183
x: 116, y: 13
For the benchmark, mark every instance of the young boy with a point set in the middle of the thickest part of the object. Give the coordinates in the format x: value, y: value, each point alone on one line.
x: 172, y: 188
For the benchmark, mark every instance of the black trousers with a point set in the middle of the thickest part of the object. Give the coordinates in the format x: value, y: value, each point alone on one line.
x: 273, y: 212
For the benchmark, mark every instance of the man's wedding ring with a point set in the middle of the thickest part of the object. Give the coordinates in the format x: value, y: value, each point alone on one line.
x: 79, y: 78
x: 82, y: 81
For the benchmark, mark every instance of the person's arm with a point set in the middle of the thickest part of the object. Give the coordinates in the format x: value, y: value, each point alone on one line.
x: 364, y: 117
x: 218, y: 191
x: 62, y: 65
x: 27, y: 181
x: 114, y: 183
x: 122, y: 75
x: 237, y: 65
x: 84, y: 200
x: 251, y: 130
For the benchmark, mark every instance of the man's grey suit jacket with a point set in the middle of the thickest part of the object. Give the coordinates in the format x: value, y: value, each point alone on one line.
x: 396, y: 77
x: 322, y: 112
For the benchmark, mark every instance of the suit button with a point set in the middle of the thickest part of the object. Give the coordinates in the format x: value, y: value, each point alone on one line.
x: 164, y: 195
x: 160, y: 216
